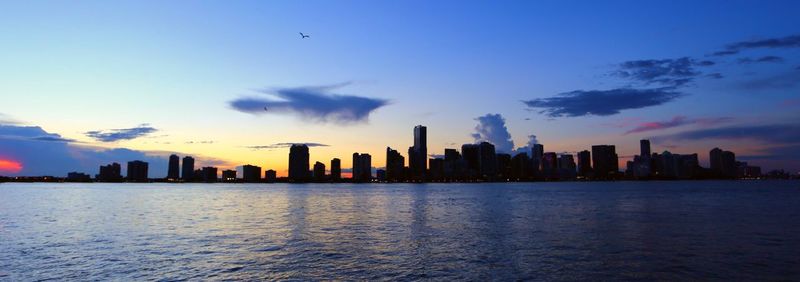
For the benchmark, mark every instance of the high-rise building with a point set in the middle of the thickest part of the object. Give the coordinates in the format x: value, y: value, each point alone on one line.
x: 110, y: 173
x: 270, y: 176
x: 453, y: 165
x: 298, y: 163
x: 488, y: 160
x: 723, y: 163
x: 584, y: 163
x: 319, y: 171
x: 395, y: 162
x: 251, y: 173
x: 644, y: 146
x: 78, y: 177
x: 566, y: 166
x: 537, y: 152
x: 520, y: 167
x: 471, y: 154
x: 137, y: 171
x: 229, y: 175
x: 715, y: 159
x: 549, y: 165
x: 209, y: 174
x: 362, y: 167
x: 336, y: 169
x: 605, y: 161
x: 418, y: 154
x: 503, y: 166
x: 174, y: 167
x: 187, y: 170
x: 436, y: 169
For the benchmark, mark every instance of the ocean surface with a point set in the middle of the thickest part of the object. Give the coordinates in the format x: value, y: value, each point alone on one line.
x: 703, y: 230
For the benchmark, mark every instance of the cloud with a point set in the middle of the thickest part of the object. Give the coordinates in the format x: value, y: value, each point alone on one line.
x: 783, y: 42
x: 602, y: 102
x: 715, y: 75
x: 7, y: 120
x: 284, y: 145
x: 765, y: 59
x: 667, y: 72
x: 53, y: 139
x: 113, y: 135
x: 527, y: 149
x: 492, y: 128
x: 38, y: 152
x: 200, y: 142
x: 312, y: 103
x: 675, y: 122
x: 769, y: 133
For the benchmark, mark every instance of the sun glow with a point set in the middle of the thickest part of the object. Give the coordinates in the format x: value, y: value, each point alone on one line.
x: 10, y: 166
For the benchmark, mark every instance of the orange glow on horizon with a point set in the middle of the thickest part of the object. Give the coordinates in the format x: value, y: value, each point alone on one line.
x: 10, y: 166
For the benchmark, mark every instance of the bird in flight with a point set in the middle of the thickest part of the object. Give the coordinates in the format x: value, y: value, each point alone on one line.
x: 303, y: 36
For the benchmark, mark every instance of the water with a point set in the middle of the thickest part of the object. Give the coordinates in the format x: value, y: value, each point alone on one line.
x: 537, y: 231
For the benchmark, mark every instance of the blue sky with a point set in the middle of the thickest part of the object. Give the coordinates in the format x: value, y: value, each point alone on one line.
x: 73, y: 68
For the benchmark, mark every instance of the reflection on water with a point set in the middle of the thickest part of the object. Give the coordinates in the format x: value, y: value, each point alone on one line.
x: 564, y: 231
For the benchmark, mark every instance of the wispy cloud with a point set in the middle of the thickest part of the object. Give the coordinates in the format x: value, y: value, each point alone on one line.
x: 769, y: 133
x: 676, y: 122
x: 602, y: 102
x: 665, y: 72
x: 312, y: 103
x: 764, y: 59
x: 782, y: 42
x: 200, y: 142
x: 284, y: 145
x: 784, y: 80
x: 113, y: 135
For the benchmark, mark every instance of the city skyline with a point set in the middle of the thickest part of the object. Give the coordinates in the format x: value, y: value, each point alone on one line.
x: 234, y: 84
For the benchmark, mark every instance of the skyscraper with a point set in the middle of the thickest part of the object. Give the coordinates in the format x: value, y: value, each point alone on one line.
x: 395, y: 162
x: 362, y: 167
x: 537, y: 152
x: 584, y: 163
x: 644, y: 146
x: 174, y: 167
x: 605, y: 161
x: 209, y: 174
x: 137, y: 171
x: 488, y: 160
x: 336, y: 169
x: 187, y: 171
x: 418, y: 154
x: 251, y: 173
x: 110, y: 173
x: 319, y: 171
x: 298, y: 163
x: 471, y: 154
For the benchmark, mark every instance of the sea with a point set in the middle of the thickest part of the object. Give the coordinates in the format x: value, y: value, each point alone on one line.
x: 552, y: 231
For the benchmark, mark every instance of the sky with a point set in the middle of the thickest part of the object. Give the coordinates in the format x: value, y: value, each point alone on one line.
x: 86, y: 83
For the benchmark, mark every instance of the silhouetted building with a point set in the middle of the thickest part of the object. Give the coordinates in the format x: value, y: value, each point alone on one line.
x: 336, y: 169
x: 395, y: 162
x: 110, y: 173
x: 298, y: 163
x: 362, y: 167
x: 488, y: 160
x: 677, y: 166
x: 584, y: 164
x: 436, y: 169
x: 549, y: 166
x: 644, y: 147
x: 187, y: 171
x: 418, y: 154
x: 605, y: 162
x: 471, y: 154
x: 503, y: 166
x: 228, y: 175
x: 78, y: 177
x: 137, y: 171
x: 520, y: 167
x: 537, y: 153
x: 454, y: 165
x: 319, y: 171
x: 566, y: 167
x: 209, y: 174
x: 270, y: 176
x: 174, y: 167
x: 747, y: 171
x: 723, y: 163
x: 251, y: 173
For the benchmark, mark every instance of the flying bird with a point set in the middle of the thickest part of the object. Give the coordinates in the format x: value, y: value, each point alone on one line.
x: 303, y: 36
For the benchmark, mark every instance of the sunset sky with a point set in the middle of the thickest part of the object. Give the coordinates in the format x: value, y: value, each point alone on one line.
x: 86, y: 83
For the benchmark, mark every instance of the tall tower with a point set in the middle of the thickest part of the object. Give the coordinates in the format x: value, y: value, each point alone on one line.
x: 187, y: 171
x: 336, y: 169
x: 418, y: 154
x: 174, y: 166
x: 644, y: 145
x: 298, y: 163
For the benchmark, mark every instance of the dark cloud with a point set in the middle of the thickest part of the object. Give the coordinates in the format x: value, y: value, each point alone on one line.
x: 313, y: 103
x: 715, y: 75
x: 492, y: 128
x: 770, y: 133
x: 788, y: 152
x: 667, y: 72
x: 725, y: 53
x: 765, y: 59
x: 284, y: 145
x: 783, y: 42
x: 53, y: 139
x: 113, y: 135
x: 602, y: 102
x: 676, y: 122
x: 34, y: 149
